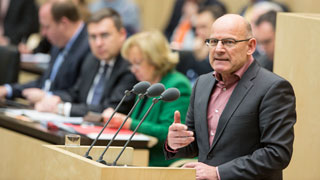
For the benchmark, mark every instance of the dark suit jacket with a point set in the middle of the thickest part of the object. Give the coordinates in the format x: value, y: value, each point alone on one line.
x: 21, y: 20
x: 254, y: 136
x: 120, y: 79
x: 68, y: 71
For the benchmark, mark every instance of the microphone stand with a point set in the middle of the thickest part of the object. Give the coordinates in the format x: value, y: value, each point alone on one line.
x: 171, y: 94
x: 154, y: 101
x: 127, y: 93
x: 140, y: 96
x: 139, y: 88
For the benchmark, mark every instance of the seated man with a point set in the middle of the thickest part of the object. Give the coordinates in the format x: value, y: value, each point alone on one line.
x: 266, y: 36
x: 104, y: 76
x: 196, y: 62
x: 66, y: 31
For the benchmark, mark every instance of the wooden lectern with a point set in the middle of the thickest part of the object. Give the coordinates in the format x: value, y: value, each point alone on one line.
x: 68, y: 163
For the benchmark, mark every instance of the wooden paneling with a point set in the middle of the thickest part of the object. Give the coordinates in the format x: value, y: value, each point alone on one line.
x: 20, y: 155
x: 297, y: 59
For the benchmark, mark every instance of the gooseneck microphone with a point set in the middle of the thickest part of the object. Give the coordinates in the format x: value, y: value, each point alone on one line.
x: 171, y: 94
x: 153, y: 91
x: 139, y: 88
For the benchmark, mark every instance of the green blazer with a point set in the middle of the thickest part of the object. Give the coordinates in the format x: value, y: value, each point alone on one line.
x: 161, y: 115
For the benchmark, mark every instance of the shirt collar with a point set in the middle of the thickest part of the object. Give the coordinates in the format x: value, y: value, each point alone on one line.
x: 110, y: 62
x: 74, y: 37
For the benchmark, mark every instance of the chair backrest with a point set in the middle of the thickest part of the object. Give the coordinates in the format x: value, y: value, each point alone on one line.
x: 9, y: 64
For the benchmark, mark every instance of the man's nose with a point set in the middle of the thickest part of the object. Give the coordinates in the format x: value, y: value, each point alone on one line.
x: 98, y: 40
x: 220, y: 46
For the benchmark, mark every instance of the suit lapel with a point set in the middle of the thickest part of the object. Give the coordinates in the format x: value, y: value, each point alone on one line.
x: 90, y: 74
x: 95, y: 69
x: 238, y: 94
x: 53, y: 56
x: 71, y: 54
x: 206, y: 90
x: 113, y: 76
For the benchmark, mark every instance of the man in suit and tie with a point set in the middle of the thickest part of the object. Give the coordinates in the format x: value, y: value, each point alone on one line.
x: 61, y: 24
x: 241, y: 117
x: 104, y: 76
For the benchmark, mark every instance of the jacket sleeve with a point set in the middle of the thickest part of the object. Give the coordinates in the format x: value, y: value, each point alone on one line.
x: 191, y: 150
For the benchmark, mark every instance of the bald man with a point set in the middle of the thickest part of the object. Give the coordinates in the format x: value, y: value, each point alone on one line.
x: 241, y: 117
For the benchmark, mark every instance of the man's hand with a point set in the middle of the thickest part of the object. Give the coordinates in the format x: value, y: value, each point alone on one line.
x: 23, y: 49
x: 3, y: 92
x: 203, y: 171
x: 48, y: 104
x: 33, y: 95
x: 116, y: 120
x: 178, y: 135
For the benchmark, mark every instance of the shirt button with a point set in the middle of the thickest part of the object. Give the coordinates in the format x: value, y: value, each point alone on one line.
x: 216, y: 110
x: 224, y: 89
x: 212, y: 133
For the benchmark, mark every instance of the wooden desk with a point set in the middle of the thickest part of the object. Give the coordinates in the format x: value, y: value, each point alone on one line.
x: 21, y: 141
x: 57, y: 137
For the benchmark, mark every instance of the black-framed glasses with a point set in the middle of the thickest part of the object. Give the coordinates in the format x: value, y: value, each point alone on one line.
x: 227, y: 42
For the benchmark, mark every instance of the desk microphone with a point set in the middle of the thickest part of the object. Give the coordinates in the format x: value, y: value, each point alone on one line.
x: 139, y: 88
x: 171, y: 94
x: 153, y: 91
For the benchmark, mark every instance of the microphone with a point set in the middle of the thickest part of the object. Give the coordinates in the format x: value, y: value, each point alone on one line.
x: 171, y: 94
x: 153, y: 91
x: 138, y: 88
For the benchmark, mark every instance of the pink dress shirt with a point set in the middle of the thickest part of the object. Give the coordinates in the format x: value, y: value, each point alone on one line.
x: 219, y: 99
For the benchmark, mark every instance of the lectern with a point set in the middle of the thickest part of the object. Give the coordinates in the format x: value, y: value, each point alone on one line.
x: 62, y: 162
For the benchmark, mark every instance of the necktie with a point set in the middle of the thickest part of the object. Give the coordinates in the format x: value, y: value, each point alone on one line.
x: 99, y: 86
x: 55, y: 69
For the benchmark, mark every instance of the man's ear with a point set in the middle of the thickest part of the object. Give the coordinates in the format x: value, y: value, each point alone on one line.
x: 123, y: 33
x: 64, y: 20
x: 251, y: 46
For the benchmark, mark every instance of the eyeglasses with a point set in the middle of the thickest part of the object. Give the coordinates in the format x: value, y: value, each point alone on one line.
x: 227, y: 42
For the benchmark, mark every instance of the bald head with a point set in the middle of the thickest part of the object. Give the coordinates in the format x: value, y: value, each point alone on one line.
x: 232, y: 44
x: 234, y: 24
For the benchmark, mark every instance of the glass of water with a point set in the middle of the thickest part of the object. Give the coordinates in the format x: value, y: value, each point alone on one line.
x: 72, y: 140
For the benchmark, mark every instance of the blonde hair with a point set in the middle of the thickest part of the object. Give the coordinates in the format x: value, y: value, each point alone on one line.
x: 155, y: 49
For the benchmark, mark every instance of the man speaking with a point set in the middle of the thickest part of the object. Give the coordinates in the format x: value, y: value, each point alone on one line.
x: 241, y: 116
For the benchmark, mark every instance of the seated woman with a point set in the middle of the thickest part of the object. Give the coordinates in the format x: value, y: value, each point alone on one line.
x: 152, y: 60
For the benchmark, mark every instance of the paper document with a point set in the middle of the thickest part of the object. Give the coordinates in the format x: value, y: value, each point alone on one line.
x: 35, y: 58
x: 43, y: 117
x: 93, y: 131
x: 136, y: 137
